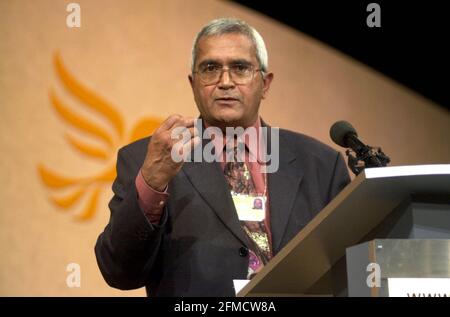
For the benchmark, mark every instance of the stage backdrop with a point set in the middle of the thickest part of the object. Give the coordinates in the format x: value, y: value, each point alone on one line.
x: 70, y: 97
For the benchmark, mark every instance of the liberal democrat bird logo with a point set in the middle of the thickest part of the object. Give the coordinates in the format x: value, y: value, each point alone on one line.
x: 66, y: 191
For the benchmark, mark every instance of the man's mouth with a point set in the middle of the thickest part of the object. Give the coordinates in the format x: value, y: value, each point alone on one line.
x: 227, y: 99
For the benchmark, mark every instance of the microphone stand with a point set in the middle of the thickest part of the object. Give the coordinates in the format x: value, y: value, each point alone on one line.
x: 364, y: 156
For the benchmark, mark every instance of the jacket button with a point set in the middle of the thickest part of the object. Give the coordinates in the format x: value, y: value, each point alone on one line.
x: 243, y: 251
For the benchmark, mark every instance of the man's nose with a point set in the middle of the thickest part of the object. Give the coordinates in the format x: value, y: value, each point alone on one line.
x: 225, y: 80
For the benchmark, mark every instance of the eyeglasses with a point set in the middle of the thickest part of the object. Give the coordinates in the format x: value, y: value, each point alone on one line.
x: 240, y: 74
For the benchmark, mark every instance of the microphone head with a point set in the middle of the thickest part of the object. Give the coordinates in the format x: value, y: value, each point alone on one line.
x: 339, y: 132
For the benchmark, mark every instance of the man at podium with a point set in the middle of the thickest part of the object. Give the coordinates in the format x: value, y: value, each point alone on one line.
x: 190, y: 228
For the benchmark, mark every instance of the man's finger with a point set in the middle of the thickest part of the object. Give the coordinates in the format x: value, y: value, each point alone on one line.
x: 182, y: 133
x: 188, y: 147
x: 189, y: 122
x: 193, y: 132
x: 196, y: 141
x: 184, y: 122
x: 169, y: 122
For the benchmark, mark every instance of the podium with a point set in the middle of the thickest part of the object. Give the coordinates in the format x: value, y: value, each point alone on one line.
x: 401, y: 205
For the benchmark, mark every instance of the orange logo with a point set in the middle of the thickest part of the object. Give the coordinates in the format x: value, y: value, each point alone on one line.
x: 67, y: 191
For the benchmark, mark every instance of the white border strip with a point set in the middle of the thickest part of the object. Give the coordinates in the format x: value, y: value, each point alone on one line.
x: 409, y: 170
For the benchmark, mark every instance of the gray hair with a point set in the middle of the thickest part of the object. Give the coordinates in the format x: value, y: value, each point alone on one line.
x: 230, y: 25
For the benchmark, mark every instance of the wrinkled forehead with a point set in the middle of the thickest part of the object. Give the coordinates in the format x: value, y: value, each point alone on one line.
x: 226, y: 49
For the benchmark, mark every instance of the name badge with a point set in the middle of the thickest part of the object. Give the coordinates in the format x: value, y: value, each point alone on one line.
x: 250, y: 208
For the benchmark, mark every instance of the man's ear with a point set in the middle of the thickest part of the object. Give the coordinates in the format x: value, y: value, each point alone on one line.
x: 267, y: 80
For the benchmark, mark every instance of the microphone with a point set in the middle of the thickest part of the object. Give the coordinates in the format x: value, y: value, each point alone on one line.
x: 345, y: 135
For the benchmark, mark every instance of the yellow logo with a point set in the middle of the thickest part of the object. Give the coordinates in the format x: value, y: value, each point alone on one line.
x: 89, y: 188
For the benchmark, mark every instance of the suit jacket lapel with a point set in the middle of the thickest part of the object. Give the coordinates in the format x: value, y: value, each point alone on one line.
x: 209, y: 181
x: 283, y: 187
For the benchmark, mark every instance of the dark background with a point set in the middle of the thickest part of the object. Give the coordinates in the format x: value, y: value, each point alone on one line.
x: 411, y: 47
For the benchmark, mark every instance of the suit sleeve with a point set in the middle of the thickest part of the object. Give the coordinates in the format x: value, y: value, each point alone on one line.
x: 129, y: 246
x: 340, y: 177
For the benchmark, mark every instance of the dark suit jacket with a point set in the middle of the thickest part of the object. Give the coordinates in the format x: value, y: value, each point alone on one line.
x: 199, y: 247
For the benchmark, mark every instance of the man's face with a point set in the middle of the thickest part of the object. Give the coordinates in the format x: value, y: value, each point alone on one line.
x: 225, y: 103
x: 257, y: 204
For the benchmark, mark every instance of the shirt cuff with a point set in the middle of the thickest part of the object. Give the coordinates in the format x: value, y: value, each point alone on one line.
x: 151, y: 201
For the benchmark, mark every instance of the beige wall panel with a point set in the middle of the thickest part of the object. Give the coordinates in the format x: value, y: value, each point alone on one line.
x: 135, y: 56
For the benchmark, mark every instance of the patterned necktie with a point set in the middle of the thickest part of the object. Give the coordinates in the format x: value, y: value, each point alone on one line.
x: 240, y: 182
